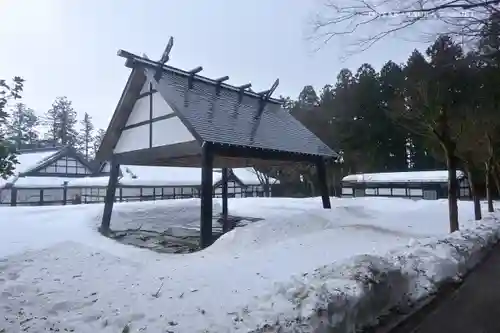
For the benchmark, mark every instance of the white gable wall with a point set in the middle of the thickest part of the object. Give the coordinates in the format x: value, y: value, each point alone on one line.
x: 140, y: 112
x: 145, y: 87
x: 170, y: 131
x: 165, y: 132
x: 133, y: 139
x: 160, y: 107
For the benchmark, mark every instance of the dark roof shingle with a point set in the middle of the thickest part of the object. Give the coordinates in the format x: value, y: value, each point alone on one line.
x: 229, y: 118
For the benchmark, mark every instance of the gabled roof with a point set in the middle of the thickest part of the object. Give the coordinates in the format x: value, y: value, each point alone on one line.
x: 31, y: 159
x: 61, y: 152
x: 208, y: 110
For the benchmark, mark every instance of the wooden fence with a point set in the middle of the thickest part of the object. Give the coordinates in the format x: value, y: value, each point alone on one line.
x: 72, y: 195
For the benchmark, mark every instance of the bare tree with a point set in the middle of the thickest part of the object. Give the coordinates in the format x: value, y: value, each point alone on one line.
x: 366, y: 22
x: 264, y: 175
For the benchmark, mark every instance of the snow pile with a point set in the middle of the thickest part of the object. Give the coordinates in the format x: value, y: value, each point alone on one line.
x: 156, y: 215
x: 301, y: 268
x: 345, y: 297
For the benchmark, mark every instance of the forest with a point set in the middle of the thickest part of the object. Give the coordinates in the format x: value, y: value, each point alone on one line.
x: 23, y: 128
x: 438, y: 110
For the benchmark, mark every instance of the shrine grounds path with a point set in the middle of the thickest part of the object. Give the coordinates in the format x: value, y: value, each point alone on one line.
x: 472, y: 308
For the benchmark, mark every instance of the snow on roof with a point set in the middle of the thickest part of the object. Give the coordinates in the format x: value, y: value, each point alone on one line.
x: 158, y: 175
x: 89, y: 182
x: 249, y: 177
x: 30, y: 160
x: 435, y: 176
x: 41, y: 182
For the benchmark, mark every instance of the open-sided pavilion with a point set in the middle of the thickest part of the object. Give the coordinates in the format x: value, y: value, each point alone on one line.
x: 171, y: 117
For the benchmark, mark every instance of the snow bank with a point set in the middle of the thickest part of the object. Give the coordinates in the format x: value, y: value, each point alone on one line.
x: 156, y: 215
x: 302, y: 268
x: 345, y: 297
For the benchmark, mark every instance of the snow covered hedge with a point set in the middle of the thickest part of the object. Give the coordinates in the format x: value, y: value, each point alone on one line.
x: 347, y: 296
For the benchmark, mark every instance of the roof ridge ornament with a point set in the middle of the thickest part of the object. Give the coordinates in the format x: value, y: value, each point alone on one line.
x: 159, y: 67
x: 192, y: 73
x: 218, y: 84
x: 265, y: 96
x: 165, y: 57
x: 242, y: 90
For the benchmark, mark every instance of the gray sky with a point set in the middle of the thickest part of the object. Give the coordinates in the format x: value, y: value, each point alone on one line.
x: 68, y: 47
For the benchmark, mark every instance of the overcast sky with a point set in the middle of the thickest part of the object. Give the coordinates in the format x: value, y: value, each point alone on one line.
x: 68, y: 47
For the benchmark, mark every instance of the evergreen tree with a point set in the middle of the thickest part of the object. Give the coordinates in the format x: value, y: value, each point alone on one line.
x: 396, y: 142
x: 99, y: 136
x: 21, y: 126
x: 8, y: 92
x: 432, y: 94
x: 86, y: 136
x: 61, y: 121
x: 308, y: 99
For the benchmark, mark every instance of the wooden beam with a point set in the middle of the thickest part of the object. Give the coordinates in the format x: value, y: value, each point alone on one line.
x: 267, y: 93
x: 263, y: 154
x: 245, y: 86
x: 206, y: 194
x: 265, y: 96
x: 222, y: 79
x: 166, y: 53
x: 192, y: 73
x: 218, y: 85
x: 225, y: 221
x: 110, y: 197
x: 195, y: 70
x: 322, y: 182
x: 242, y: 91
x: 134, y: 60
x: 165, y: 57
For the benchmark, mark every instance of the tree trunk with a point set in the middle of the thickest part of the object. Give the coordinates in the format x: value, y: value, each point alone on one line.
x: 451, y: 162
x: 496, y: 170
x: 488, y: 184
x: 267, y: 187
x: 473, y: 191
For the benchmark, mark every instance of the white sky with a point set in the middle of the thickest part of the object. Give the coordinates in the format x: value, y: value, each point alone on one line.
x: 68, y: 47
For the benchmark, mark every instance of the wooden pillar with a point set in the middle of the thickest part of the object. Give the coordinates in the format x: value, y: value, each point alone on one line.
x: 323, y: 186
x: 65, y: 193
x: 110, y: 197
x: 13, y: 196
x: 207, y: 159
x: 225, y: 221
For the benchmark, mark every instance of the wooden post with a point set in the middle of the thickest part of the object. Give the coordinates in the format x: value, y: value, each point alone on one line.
x: 13, y: 196
x: 225, y: 221
x: 110, y: 197
x: 65, y: 193
x: 207, y: 159
x: 323, y: 186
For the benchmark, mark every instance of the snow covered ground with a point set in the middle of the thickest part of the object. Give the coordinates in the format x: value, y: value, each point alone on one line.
x: 301, y: 268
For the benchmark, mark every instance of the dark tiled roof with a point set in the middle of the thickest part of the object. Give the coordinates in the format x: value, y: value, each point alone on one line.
x: 227, y: 120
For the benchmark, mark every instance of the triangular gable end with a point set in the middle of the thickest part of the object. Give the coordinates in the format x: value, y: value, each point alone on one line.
x: 152, y: 123
x: 65, y: 163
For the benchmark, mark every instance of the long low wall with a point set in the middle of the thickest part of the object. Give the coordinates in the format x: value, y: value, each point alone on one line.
x: 74, y: 195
